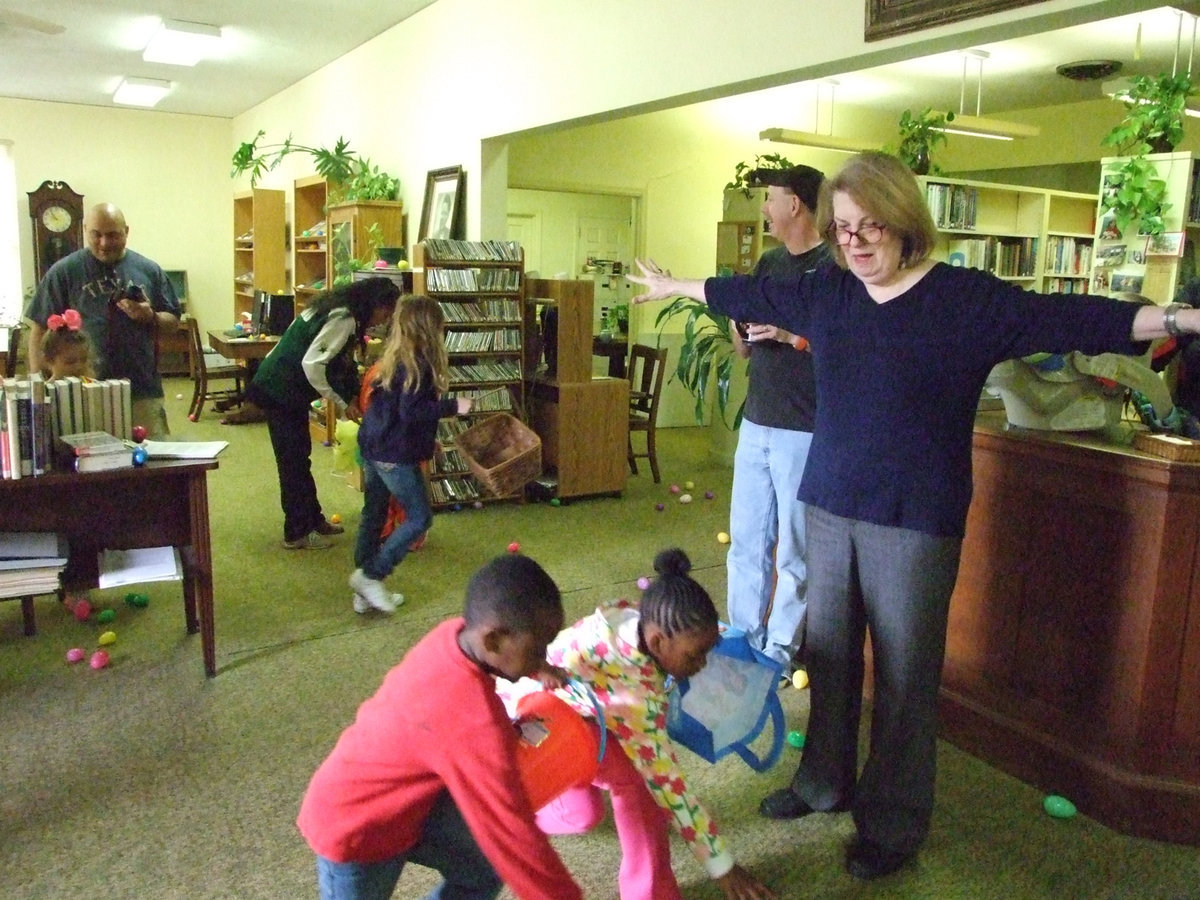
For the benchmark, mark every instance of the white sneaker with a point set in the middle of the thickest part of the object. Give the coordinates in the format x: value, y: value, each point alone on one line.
x: 361, y: 606
x: 375, y: 593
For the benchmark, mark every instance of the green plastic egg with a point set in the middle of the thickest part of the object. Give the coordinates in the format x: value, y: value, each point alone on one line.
x: 106, y: 615
x: 1059, y: 807
x: 796, y: 739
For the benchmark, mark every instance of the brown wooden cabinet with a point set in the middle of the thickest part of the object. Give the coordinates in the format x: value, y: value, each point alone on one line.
x: 355, y: 230
x: 583, y: 422
x: 310, y: 246
x: 259, y: 246
x: 1073, y: 649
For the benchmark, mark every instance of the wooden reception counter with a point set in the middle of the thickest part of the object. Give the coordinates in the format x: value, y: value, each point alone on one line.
x: 1073, y: 651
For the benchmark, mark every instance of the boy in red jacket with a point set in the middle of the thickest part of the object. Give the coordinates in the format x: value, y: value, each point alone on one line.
x: 427, y: 771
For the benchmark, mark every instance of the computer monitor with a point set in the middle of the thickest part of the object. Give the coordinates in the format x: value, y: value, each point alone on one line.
x: 179, y: 283
x: 272, y: 313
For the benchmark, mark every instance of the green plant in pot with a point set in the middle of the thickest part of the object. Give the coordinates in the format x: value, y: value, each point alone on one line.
x: 1154, y: 113
x: 351, y: 177
x: 1134, y: 192
x: 920, y: 133
x: 743, y: 172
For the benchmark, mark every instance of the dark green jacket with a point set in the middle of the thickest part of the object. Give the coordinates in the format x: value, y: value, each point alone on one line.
x: 281, y: 377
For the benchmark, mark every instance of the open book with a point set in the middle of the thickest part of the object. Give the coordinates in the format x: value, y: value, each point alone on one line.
x: 183, y: 449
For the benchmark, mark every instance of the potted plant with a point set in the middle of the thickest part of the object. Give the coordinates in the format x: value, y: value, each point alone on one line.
x: 1154, y: 111
x: 1134, y: 192
x: 351, y: 177
x: 743, y: 172
x: 707, y: 349
x: 919, y: 135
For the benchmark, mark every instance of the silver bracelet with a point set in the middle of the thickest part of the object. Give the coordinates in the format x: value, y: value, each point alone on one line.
x: 1170, y: 311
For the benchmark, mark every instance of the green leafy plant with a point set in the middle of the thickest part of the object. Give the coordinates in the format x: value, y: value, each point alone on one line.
x: 707, y: 350
x: 919, y: 134
x: 350, y: 176
x: 1134, y: 191
x: 743, y: 172
x: 344, y: 268
x: 1154, y: 112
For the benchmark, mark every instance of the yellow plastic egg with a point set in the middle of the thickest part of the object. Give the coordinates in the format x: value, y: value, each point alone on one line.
x: 799, y: 679
x: 108, y: 637
x: 722, y: 537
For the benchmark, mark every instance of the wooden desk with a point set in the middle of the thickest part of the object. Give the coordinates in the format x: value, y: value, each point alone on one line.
x: 162, y: 503
x: 616, y: 348
x: 252, y: 350
x: 1073, y: 648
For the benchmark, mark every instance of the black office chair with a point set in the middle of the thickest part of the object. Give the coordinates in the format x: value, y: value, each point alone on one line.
x: 647, y: 365
x: 206, y: 366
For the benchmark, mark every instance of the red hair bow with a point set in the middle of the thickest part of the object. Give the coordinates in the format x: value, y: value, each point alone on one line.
x: 70, y: 319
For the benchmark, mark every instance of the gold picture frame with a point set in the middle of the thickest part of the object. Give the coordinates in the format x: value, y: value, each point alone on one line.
x: 888, y: 18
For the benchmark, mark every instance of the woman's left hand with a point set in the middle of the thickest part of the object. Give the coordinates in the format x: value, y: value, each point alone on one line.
x: 353, y: 413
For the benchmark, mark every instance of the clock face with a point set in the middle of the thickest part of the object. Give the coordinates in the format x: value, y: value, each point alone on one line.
x: 56, y: 219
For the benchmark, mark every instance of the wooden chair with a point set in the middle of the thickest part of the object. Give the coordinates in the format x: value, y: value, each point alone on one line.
x: 206, y: 366
x: 647, y: 365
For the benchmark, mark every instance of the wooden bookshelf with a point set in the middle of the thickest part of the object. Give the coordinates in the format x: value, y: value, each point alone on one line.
x: 259, y: 246
x: 479, y: 285
x: 310, y: 247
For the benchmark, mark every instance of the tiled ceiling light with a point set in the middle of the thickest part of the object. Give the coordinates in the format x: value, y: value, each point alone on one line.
x: 182, y: 43
x: 141, y: 91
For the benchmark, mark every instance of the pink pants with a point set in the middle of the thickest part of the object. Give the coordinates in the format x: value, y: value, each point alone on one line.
x: 642, y: 825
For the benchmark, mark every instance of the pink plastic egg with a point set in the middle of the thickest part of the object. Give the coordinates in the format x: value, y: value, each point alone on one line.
x: 514, y: 547
x: 643, y: 583
x: 99, y: 660
x: 75, y: 654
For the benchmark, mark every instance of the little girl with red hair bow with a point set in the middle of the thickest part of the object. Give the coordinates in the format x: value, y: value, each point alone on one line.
x: 65, y: 348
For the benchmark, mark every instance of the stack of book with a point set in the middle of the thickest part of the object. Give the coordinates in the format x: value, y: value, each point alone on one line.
x: 35, y: 413
x: 92, y: 451
x: 30, y: 562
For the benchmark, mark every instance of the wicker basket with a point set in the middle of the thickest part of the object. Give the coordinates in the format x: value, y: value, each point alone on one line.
x: 502, y: 452
x: 1177, y: 449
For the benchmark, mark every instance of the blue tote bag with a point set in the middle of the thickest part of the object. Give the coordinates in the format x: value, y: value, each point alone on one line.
x: 724, y: 707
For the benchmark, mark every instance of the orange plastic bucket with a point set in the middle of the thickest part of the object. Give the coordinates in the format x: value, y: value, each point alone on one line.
x: 556, y: 747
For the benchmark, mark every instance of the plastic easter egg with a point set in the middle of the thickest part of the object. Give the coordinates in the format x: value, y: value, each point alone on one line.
x: 674, y: 489
x: 180, y: 397
x: 643, y: 583
x: 659, y: 507
x: 799, y: 679
x: 140, y: 456
x: 99, y: 660
x: 1058, y: 807
x: 139, y: 433
x: 135, y: 599
x: 75, y: 654
x: 335, y: 519
x: 689, y: 485
x: 82, y: 609
x: 514, y: 547
x: 796, y: 739
x: 106, y: 615
x: 722, y: 537
x: 478, y: 504
x: 708, y: 495
x: 685, y: 498
x: 108, y: 637
x: 554, y: 501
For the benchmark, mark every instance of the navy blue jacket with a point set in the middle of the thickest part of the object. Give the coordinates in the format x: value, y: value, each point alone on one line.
x: 400, y: 426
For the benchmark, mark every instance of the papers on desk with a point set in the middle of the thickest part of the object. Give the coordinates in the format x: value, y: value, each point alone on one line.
x: 183, y: 449
x: 121, y: 567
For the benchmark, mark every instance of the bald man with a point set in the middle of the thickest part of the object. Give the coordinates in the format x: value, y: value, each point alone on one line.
x: 124, y: 300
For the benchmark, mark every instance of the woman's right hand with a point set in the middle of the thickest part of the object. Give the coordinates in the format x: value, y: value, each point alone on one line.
x: 465, y: 404
x: 738, y: 884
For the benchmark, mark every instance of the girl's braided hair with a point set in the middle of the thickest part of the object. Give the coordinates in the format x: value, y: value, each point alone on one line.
x: 675, y: 601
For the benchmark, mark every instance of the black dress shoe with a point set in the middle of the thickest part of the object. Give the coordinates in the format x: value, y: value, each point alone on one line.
x: 868, y: 861
x: 786, y: 804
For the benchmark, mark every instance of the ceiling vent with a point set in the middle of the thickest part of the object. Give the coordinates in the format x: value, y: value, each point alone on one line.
x: 1089, y: 69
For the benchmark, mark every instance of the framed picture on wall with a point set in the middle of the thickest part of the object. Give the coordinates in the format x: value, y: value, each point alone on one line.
x: 1169, y: 243
x: 887, y: 18
x: 443, y: 215
x: 1125, y: 283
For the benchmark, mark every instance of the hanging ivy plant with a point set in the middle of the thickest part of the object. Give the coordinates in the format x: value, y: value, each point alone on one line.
x: 743, y: 172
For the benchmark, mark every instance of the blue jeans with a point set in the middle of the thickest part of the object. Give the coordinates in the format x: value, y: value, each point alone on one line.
x: 381, y: 481
x: 766, y: 530
x: 446, y: 846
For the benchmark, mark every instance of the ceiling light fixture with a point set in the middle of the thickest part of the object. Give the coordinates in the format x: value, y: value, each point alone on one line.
x: 976, y: 125
x: 1118, y: 88
x: 821, y: 139
x: 179, y: 43
x: 141, y: 91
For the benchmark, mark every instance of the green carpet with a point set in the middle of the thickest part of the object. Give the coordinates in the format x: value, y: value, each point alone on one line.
x: 148, y: 780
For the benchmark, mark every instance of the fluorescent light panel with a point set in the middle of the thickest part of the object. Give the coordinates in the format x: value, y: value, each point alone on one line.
x: 812, y: 139
x: 141, y: 91
x: 1118, y: 89
x: 997, y: 129
x: 180, y: 43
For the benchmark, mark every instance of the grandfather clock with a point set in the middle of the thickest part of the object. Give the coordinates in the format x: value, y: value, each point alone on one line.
x: 57, y: 214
